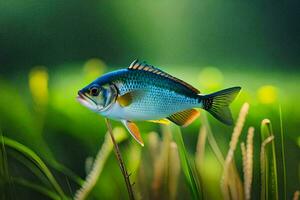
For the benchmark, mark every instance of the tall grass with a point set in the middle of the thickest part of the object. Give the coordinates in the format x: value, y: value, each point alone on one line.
x: 282, y: 152
x: 188, y: 166
x: 98, y: 164
x: 271, y: 175
x: 169, y: 162
x: 248, y: 163
x: 36, y: 160
x: 174, y: 170
x: 263, y: 167
x: 231, y: 184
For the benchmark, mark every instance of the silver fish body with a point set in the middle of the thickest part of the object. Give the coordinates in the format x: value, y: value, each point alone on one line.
x: 155, y: 96
x: 143, y: 92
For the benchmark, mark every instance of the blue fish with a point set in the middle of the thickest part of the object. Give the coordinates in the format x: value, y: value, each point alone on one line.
x: 143, y: 92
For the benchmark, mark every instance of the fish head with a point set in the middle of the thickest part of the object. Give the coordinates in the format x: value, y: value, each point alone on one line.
x: 97, y: 97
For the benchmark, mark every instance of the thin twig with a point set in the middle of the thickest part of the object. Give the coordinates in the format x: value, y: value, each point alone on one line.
x: 120, y: 160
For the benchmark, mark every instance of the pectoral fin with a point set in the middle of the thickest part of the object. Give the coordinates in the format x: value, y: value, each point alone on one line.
x: 125, y: 100
x: 184, y: 118
x: 160, y: 121
x: 134, y: 131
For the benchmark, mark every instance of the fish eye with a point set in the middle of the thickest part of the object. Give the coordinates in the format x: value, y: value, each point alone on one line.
x: 94, y: 91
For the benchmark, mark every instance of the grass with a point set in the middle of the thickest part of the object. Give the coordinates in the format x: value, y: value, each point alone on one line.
x: 99, y: 162
x: 187, y: 165
x: 271, y: 175
x: 46, y: 118
x: 282, y: 152
x: 170, y: 161
x: 231, y: 183
x: 36, y: 160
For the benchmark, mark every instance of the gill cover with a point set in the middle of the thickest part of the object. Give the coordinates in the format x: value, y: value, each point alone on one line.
x: 98, y: 97
x: 110, y: 94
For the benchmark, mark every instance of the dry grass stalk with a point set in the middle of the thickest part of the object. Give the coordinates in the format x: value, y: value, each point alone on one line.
x: 201, y: 147
x: 236, y: 133
x: 296, y: 195
x: 263, y: 164
x: 97, y: 166
x: 243, y: 149
x: 174, y: 170
x: 248, y: 173
x: 235, y: 185
x: 244, y: 157
x: 200, y: 153
x: 95, y: 172
x: 160, y: 164
x: 153, y: 145
x: 212, y: 141
x: 231, y: 187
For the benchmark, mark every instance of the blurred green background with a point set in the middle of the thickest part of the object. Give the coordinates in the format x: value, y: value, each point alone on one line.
x: 51, y: 49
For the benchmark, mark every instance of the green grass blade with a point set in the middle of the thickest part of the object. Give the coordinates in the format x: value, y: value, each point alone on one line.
x: 188, y: 169
x: 67, y: 172
x: 29, y: 165
x: 282, y: 153
x: 36, y: 160
x: 36, y: 187
x: 5, y: 179
x: 271, y: 188
x: 211, y: 140
x: 263, y: 168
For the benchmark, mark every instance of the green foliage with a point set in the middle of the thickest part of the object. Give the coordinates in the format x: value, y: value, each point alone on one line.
x: 37, y: 187
x: 33, y: 157
x: 188, y: 167
x: 66, y: 134
x: 282, y: 153
x: 270, y: 187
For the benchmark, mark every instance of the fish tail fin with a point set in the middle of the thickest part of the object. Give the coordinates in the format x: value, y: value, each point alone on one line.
x: 217, y: 104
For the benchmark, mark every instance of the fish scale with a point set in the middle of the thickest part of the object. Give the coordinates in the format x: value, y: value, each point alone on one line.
x: 158, y: 100
x: 131, y: 80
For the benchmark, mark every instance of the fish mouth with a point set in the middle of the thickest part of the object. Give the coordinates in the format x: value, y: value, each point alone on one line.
x: 87, y: 101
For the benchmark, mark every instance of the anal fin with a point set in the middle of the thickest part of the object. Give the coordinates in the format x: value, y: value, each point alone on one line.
x: 134, y: 131
x: 160, y: 121
x: 184, y: 118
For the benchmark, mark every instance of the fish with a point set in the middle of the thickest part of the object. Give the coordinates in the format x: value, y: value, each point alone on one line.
x: 143, y: 92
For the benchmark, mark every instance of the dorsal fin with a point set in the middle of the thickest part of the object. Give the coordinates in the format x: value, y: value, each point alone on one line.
x: 137, y: 65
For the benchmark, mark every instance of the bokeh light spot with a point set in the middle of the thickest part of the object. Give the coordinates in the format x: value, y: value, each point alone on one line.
x: 211, y: 78
x: 38, y: 85
x: 93, y: 68
x: 267, y: 94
